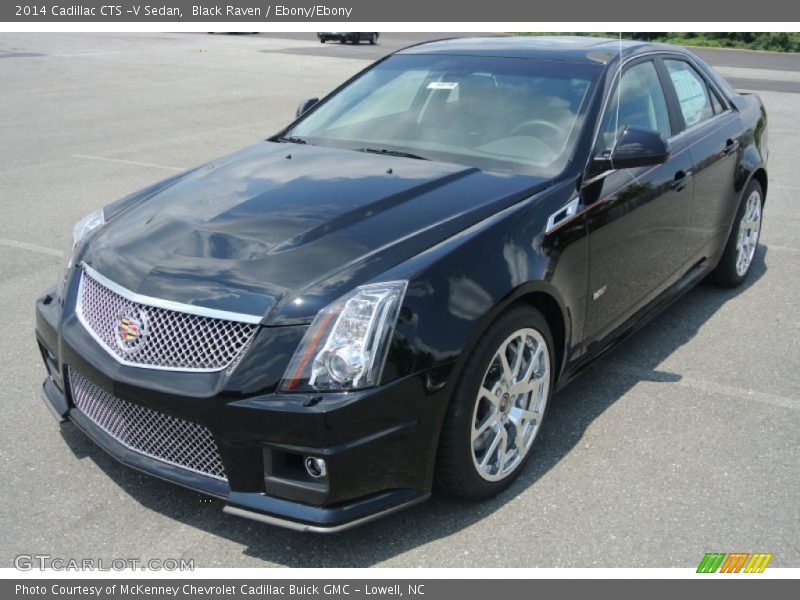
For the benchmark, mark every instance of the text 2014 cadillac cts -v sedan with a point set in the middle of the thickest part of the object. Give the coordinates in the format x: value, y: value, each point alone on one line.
x: 386, y: 295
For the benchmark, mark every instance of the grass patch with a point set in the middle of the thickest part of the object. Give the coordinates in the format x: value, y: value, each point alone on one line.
x: 773, y: 41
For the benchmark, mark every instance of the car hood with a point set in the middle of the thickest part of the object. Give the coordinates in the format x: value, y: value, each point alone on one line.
x: 250, y: 230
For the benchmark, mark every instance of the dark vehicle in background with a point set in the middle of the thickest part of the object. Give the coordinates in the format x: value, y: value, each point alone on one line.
x: 387, y: 294
x: 351, y: 36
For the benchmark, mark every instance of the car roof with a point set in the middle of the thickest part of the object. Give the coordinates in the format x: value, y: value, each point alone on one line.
x: 585, y: 49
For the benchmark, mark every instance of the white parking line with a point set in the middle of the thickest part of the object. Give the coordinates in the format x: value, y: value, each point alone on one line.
x: 128, y: 162
x: 706, y: 386
x: 32, y: 247
x: 784, y: 186
x: 783, y: 248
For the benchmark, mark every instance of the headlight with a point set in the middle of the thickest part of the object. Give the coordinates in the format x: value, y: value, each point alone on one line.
x: 346, y: 345
x: 80, y: 232
x: 86, y: 225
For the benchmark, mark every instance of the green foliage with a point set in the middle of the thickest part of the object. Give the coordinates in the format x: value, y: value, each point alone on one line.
x: 774, y: 41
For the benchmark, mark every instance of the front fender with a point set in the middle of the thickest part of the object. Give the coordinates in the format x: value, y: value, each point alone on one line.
x: 459, y: 287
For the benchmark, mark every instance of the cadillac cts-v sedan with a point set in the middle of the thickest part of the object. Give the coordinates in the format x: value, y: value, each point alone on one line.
x: 385, y: 296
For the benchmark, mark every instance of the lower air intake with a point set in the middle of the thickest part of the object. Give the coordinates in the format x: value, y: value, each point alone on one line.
x: 154, y: 434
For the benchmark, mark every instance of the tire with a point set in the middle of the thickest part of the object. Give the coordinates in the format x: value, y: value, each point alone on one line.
x: 342, y: 40
x: 373, y: 39
x: 321, y: 40
x: 465, y: 439
x: 740, y: 249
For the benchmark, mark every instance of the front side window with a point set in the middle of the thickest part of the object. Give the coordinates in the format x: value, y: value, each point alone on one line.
x: 639, y: 102
x: 512, y: 114
x: 692, y: 91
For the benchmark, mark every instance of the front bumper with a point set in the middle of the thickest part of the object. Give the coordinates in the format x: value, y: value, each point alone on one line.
x: 378, y: 445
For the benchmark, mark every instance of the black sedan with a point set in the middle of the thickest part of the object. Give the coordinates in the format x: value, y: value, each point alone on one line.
x: 386, y: 295
x: 354, y: 37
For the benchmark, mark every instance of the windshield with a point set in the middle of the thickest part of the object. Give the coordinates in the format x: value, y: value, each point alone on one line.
x: 513, y: 114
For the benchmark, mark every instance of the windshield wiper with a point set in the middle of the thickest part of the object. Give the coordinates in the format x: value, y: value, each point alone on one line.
x: 388, y: 152
x: 291, y: 140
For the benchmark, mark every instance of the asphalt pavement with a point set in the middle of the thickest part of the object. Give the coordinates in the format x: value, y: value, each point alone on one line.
x: 682, y: 441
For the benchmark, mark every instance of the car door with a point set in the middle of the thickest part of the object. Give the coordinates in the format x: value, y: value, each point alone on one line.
x: 712, y: 131
x: 637, y: 218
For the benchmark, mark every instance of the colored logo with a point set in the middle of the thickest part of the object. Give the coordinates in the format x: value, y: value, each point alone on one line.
x: 735, y: 562
x: 131, y: 331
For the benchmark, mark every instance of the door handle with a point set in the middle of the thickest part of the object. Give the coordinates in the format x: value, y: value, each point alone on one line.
x: 730, y: 146
x: 681, y: 179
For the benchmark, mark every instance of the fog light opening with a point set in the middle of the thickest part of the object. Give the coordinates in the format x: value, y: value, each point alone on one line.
x: 316, y: 467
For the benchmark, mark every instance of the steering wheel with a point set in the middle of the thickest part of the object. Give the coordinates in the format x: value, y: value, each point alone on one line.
x: 559, y: 131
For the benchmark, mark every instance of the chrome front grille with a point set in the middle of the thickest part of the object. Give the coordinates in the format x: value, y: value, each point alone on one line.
x: 147, y: 332
x: 157, y: 435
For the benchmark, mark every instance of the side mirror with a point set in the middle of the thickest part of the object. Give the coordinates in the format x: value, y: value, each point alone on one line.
x: 306, y: 105
x: 636, y: 147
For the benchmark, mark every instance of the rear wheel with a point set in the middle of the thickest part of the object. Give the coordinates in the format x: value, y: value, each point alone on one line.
x: 740, y: 250
x: 498, y: 407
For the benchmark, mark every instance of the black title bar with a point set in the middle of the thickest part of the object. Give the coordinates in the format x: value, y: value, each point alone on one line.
x: 452, y: 11
x: 733, y: 588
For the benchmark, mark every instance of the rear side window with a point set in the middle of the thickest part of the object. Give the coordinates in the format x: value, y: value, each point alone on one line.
x: 692, y: 91
x: 641, y: 103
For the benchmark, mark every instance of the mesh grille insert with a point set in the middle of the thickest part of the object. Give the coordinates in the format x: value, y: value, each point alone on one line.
x: 150, y: 336
x: 149, y: 432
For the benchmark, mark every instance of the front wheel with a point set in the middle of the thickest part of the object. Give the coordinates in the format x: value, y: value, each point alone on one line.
x: 373, y: 39
x: 740, y: 249
x: 498, y: 406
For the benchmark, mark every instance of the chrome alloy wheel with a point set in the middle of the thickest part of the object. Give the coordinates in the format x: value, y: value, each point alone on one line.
x: 510, y: 404
x: 749, y: 229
